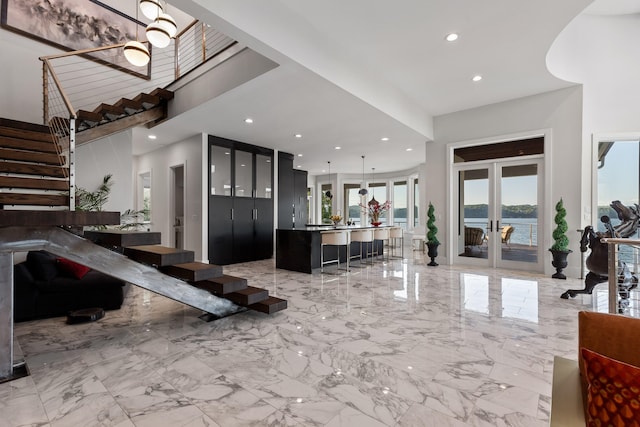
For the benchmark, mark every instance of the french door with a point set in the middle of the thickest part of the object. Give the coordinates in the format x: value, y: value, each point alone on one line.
x: 499, y: 214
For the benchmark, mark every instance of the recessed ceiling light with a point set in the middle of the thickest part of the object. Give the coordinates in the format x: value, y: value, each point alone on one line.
x: 300, y: 155
x: 384, y: 138
x: 409, y: 149
x: 324, y: 170
x: 248, y: 120
x: 477, y: 78
x: 298, y: 135
x: 298, y: 166
x: 152, y: 137
x: 338, y: 148
x: 451, y: 37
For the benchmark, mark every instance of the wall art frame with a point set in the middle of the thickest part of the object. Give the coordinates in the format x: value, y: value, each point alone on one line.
x: 76, y: 25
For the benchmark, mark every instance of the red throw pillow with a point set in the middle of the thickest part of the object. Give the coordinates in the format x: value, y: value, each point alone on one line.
x: 72, y: 269
x: 613, y: 396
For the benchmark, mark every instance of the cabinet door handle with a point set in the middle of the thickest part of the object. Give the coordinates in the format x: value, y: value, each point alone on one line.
x: 255, y: 214
x: 231, y: 214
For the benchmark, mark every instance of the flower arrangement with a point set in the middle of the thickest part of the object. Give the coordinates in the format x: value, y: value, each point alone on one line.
x: 335, y: 219
x: 374, y: 209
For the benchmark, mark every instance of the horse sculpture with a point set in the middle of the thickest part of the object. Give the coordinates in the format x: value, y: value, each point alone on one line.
x: 598, y: 260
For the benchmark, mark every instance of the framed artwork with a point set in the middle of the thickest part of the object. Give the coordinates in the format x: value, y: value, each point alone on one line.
x: 76, y: 25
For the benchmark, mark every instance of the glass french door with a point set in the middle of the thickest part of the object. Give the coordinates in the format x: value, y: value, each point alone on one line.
x: 499, y: 213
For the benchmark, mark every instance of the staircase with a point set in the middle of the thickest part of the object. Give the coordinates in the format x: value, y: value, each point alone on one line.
x: 144, y: 247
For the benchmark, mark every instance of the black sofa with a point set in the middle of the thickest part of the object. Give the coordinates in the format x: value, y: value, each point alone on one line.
x: 45, y: 287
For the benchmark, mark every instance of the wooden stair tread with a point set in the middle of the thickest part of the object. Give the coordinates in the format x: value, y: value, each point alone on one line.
x: 28, y: 144
x: 89, y: 116
x: 129, y: 105
x: 34, y: 183
x: 26, y: 156
x: 148, y: 101
x: 123, y: 238
x: 159, y: 256
x: 222, y: 285
x: 33, y: 169
x: 26, y: 199
x: 57, y: 218
x: 270, y: 305
x: 165, y: 94
x: 193, y: 271
x: 249, y: 295
x: 19, y: 129
x: 112, y: 112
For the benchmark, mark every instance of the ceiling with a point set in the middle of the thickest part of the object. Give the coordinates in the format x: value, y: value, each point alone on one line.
x: 354, y: 72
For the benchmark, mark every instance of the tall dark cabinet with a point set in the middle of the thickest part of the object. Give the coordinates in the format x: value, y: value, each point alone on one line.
x: 292, y: 194
x: 240, y: 202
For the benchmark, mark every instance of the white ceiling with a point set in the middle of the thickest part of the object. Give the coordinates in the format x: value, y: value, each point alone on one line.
x: 354, y: 72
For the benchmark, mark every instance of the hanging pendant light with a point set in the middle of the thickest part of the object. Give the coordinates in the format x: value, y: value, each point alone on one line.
x: 158, y: 35
x: 373, y: 200
x: 167, y: 22
x: 135, y: 52
x: 328, y: 192
x: 363, y: 191
x: 151, y: 8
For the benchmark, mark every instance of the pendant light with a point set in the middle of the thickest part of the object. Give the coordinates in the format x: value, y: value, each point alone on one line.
x: 151, y: 8
x: 363, y: 191
x: 328, y: 192
x: 168, y: 23
x: 135, y: 52
x: 157, y: 34
x: 373, y: 200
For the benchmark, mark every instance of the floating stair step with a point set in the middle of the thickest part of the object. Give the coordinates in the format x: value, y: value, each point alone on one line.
x: 148, y: 101
x: 27, y: 144
x: 42, y: 218
x: 130, y: 106
x: 34, y: 183
x: 248, y: 296
x: 27, y: 156
x: 222, y: 285
x: 159, y: 256
x: 110, y: 112
x: 193, y: 271
x: 270, y: 305
x: 90, y: 116
x: 165, y: 94
x: 34, y: 199
x: 31, y: 131
x: 31, y: 169
x: 123, y: 238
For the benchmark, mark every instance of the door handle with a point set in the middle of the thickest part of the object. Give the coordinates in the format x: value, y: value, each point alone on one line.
x: 231, y: 214
x: 491, y: 226
x: 497, y: 225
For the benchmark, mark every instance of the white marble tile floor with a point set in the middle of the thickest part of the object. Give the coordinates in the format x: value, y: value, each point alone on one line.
x: 396, y: 343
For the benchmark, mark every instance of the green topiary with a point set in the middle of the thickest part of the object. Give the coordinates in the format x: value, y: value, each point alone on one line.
x: 431, y: 225
x: 559, y: 234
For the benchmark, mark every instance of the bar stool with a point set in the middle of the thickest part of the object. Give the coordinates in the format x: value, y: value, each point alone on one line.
x: 364, y: 236
x: 396, y: 233
x: 382, y: 234
x: 334, y: 238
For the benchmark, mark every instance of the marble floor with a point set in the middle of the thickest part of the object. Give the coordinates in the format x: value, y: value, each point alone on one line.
x: 397, y: 343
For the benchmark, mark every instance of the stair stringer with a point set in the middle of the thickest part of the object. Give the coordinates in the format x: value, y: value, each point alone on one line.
x: 68, y: 245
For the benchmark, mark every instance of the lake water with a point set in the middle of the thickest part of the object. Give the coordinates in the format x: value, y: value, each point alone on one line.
x: 525, y: 230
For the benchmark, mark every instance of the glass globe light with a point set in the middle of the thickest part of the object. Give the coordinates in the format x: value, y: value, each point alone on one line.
x: 151, y: 8
x: 168, y: 23
x: 136, y: 53
x: 158, y: 35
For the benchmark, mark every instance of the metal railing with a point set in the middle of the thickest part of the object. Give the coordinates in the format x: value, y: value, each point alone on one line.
x: 83, y: 79
x: 622, y: 273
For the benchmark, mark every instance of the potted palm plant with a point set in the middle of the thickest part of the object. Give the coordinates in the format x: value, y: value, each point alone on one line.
x: 432, y: 236
x: 560, y: 248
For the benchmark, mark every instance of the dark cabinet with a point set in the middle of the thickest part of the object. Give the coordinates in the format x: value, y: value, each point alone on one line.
x: 240, y: 203
x: 300, y: 201
x: 292, y: 194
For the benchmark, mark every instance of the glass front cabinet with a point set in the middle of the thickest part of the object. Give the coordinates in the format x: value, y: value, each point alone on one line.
x: 240, y: 202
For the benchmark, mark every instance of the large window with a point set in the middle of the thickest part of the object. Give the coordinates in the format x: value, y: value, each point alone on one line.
x: 379, y: 191
x: 400, y: 204
x: 326, y: 203
x: 352, y: 204
x: 416, y: 203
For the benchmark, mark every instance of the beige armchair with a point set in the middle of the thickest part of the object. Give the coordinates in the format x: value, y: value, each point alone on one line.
x: 507, y: 230
x: 473, y: 236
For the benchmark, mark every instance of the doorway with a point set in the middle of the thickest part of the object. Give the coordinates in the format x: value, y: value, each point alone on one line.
x: 177, y: 206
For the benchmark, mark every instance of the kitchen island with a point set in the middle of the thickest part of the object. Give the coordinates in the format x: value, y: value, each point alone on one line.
x: 298, y: 249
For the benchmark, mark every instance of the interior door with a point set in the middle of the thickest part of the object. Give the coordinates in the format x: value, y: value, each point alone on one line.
x: 499, y: 214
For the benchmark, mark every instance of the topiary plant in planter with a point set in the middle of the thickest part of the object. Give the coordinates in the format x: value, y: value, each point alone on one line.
x: 432, y: 235
x: 560, y: 248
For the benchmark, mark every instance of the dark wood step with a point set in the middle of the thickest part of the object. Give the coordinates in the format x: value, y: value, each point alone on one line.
x: 248, y: 296
x: 165, y: 94
x: 123, y: 238
x: 110, y: 112
x: 57, y: 218
x: 27, y: 156
x: 130, y: 106
x: 34, y: 183
x: 222, y: 285
x: 270, y: 305
x: 23, y: 199
x: 89, y: 116
x: 159, y: 256
x: 193, y: 271
x: 18, y: 129
x: 27, y: 144
x: 33, y: 169
x: 148, y: 101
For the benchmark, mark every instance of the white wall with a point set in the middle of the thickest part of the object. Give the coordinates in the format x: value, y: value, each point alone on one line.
x: 159, y: 162
x: 561, y: 112
x: 111, y: 155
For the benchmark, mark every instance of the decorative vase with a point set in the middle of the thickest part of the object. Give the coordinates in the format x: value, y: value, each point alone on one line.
x: 376, y: 224
x: 559, y: 262
x: 432, y: 253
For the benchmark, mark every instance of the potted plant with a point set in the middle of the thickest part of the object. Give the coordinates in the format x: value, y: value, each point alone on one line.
x: 432, y: 238
x: 560, y: 248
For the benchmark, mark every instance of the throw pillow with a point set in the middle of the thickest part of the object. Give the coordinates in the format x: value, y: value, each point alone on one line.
x: 42, y: 265
x: 72, y: 269
x: 613, y: 395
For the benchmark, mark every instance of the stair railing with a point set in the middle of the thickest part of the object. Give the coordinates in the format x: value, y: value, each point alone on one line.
x: 83, y: 79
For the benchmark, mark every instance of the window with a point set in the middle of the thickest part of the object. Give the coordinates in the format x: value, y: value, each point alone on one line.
x: 352, y: 203
x: 326, y: 203
x: 400, y: 204
x: 416, y: 203
x: 378, y: 191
